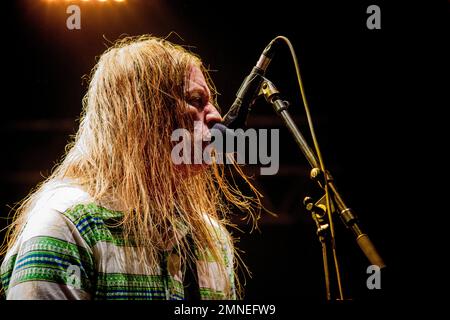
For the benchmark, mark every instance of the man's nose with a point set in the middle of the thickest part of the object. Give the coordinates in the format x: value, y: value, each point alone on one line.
x: 211, y: 115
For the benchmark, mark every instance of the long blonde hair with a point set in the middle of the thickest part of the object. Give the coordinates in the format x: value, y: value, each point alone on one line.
x: 122, y: 150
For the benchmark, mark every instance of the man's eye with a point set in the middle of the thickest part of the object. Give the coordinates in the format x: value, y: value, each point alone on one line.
x: 196, y: 101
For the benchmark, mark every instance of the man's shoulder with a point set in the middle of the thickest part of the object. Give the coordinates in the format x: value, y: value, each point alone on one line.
x: 56, y: 196
x: 62, y: 206
x: 67, y: 212
x: 71, y: 201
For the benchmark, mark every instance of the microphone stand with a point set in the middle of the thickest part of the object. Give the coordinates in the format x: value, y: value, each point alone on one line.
x: 348, y: 217
x: 318, y: 212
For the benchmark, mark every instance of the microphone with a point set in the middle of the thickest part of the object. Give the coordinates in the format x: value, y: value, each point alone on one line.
x: 225, y: 136
x: 222, y: 130
x: 220, y: 127
x: 236, y: 117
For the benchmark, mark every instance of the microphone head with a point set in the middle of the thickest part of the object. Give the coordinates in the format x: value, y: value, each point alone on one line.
x: 223, y: 133
x: 221, y: 127
x: 271, y: 48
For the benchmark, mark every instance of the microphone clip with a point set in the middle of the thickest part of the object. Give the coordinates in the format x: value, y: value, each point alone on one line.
x: 272, y: 95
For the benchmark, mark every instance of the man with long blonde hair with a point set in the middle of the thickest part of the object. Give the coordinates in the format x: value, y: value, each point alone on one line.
x: 117, y: 219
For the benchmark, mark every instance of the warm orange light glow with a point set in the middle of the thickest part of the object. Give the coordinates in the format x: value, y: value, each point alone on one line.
x: 84, y: 1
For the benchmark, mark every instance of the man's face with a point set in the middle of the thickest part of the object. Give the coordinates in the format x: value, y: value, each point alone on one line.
x: 202, y: 112
x: 199, y: 103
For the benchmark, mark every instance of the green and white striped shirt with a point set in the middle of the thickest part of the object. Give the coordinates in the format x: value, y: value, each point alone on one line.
x: 69, y: 250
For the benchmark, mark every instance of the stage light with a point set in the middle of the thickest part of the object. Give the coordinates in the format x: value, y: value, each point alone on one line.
x: 75, y: 1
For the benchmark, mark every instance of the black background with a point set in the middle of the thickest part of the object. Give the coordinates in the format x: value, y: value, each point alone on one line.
x: 373, y: 94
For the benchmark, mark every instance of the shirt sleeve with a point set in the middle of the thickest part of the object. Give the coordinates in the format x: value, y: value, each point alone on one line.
x: 50, y: 260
